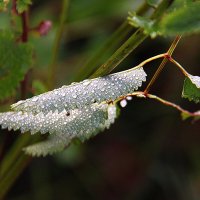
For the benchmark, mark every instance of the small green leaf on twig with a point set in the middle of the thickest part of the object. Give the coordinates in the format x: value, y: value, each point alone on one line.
x: 185, y: 20
x: 179, y: 20
x: 146, y: 24
x: 191, y: 88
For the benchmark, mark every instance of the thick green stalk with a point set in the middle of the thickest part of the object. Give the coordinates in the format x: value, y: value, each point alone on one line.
x: 137, y: 38
x: 56, y: 45
x: 13, y: 153
x: 115, y: 40
x: 14, y: 163
x: 14, y: 172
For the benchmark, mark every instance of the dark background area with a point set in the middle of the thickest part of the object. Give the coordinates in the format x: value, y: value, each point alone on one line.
x: 149, y: 153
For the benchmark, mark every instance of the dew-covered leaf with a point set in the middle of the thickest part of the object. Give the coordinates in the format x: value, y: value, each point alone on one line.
x: 63, y: 127
x: 78, y: 95
x: 15, y: 60
x: 55, y: 143
x: 191, y: 88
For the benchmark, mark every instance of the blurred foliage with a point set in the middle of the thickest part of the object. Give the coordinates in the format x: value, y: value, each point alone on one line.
x: 15, y: 61
x: 172, y: 22
x: 22, y: 5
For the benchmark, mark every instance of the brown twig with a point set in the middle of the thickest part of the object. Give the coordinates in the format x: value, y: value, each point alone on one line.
x: 143, y: 94
x: 24, y: 39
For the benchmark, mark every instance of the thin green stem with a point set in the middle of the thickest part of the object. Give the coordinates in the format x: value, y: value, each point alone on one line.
x: 116, y: 38
x: 13, y: 153
x: 137, y: 38
x: 150, y: 59
x: 92, y: 64
x: 12, y: 175
x: 56, y: 45
x: 179, y: 66
x: 163, y: 63
x: 145, y: 62
x: 14, y: 163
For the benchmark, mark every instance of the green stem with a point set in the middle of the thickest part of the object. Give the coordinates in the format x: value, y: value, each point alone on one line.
x: 163, y: 63
x: 13, y: 153
x: 14, y: 172
x: 117, y: 38
x: 56, y: 45
x: 145, y: 62
x: 179, y: 66
x: 14, y: 163
x: 137, y: 38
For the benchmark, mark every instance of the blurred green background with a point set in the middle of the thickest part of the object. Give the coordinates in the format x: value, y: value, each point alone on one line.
x: 149, y: 153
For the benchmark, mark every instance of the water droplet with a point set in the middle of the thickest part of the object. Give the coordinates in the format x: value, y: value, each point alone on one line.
x: 74, y: 96
x: 35, y: 99
x: 123, y: 103
x: 129, y: 98
x: 86, y: 82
